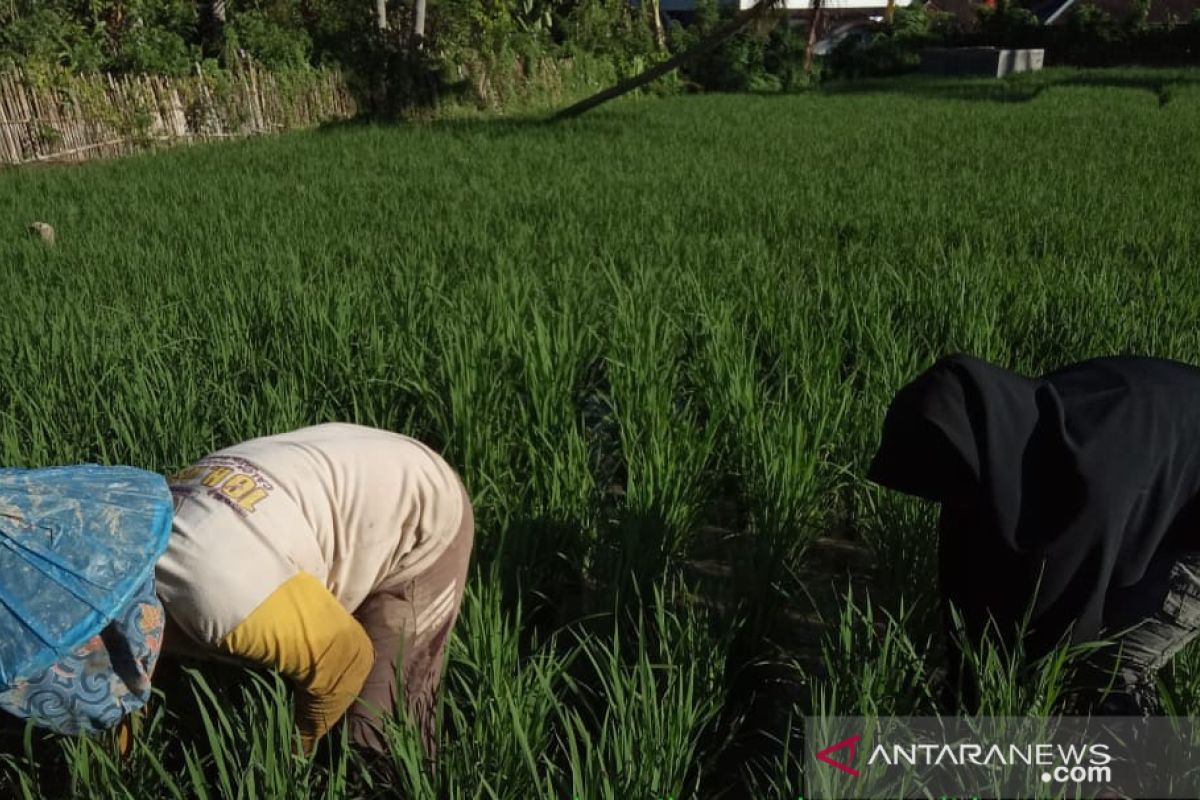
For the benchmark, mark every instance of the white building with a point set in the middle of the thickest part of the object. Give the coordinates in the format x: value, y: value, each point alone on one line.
x: 834, y: 6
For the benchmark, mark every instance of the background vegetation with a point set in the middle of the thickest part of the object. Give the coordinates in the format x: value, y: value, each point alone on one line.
x: 657, y: 342
x: 604, y: 40
x: 1086, y: 37
x: 176, y: 37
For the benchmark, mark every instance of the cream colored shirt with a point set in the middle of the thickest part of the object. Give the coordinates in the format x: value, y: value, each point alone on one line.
x: 356, y: 507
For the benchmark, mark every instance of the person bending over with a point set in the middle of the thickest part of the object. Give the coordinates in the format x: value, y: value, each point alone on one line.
x: 1068, y: 502
x: 333, y: 554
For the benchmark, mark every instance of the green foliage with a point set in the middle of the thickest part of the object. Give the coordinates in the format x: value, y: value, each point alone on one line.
x: 1008, y: 23
x: 1090, y: 22
x: 876, y: 55
x: 1088, y: 36
x: 490, y: 28
x: 156, y: 51
x: 503, y: 47
x: 47, y: 36
x: 270, y: 43
x: 509, y: 40
x: 608, y: 28
x: 768, y: 57
x: 135, y: 36
x: 891, y: 49
x: 919, y: 22
x: 1138, y: 20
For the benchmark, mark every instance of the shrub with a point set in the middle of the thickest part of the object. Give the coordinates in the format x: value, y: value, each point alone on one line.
x: 894, y: 49
x: 769, y: 56
x: 609, y: 29
x: 49, y: 37
x: 1088, y: 37
x: 267, y: 41
x: 1009, y: 25
x: 154, y: 50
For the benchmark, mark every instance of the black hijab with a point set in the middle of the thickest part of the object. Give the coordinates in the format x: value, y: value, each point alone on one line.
x: 1057, y: 492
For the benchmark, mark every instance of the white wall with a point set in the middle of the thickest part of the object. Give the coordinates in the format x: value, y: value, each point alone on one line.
x: 791, y: 5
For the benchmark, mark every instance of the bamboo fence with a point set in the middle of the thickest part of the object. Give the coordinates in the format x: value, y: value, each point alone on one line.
x: 81, y: 117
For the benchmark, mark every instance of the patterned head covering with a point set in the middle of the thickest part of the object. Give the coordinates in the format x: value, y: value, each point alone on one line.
x: 97, y: 684
x: 80, y: 623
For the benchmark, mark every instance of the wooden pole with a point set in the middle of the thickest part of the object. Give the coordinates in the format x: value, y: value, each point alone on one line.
x: 718, y: 37
x: 419, y: 21
x: 8, y: 124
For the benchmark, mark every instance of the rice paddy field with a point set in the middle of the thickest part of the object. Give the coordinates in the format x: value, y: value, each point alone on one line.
x: 657, y: 342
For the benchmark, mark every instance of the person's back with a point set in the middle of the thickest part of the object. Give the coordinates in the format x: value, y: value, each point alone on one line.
x: 1132, y: 425
x: 344, y: 503
x: 1128, y: 397
x: 279, y: 540
x: 1068, y: 496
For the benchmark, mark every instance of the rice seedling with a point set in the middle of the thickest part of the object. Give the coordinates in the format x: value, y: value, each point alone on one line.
x: 657, y: 342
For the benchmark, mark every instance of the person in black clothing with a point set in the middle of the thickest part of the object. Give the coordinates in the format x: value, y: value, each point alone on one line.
x: 1069, y: 508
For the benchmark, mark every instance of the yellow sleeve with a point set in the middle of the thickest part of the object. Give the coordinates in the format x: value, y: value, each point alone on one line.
x: 303, y: 632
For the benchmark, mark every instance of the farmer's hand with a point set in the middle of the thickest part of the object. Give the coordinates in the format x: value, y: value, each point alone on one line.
x: 124, y: 735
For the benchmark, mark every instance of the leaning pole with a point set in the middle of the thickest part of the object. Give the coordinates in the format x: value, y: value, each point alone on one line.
x: 718, y: 37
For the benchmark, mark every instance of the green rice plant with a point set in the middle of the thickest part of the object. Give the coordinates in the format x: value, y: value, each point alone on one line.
x: 255, y: 751
x: 1001, y: 679
x: 247, y: 750
x: 18, y: 781
x: 20, y: 772
x: 649, y: 700
x: 473, y: 404
x: 874, y: 666
x: 782, y: 775
x: 547, y: 540
x: 780, y: 426
x: 1180, y: 683
x: 665, y: 449
x: 903, y: 534
x: 657, y: 343
x: 497, y: 714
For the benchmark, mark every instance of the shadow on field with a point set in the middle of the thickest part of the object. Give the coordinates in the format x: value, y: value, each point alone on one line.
x: 607, y: 122
x: 766, y: 620
x: 499, y: 127
x: 1018, y: 89
x: 539, y: 566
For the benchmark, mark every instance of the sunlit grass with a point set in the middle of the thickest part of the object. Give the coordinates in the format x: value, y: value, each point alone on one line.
x: 656, y: 338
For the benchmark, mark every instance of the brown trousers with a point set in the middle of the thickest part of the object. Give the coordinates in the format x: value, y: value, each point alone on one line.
x: 410, y: 626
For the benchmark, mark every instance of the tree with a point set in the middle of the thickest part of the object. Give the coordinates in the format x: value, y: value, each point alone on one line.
x: 419, y: 21
x: 740, y: 22
x: 660, y: 34
x: 212, y: 26
x: 814, y: 22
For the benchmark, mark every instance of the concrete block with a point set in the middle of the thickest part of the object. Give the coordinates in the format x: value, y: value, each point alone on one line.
x: 991, y: 61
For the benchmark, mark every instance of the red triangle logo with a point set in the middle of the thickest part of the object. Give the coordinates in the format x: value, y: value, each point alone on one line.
x: 850, y: 744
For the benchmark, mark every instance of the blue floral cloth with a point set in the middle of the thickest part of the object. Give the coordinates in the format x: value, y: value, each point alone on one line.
x: 80, y: 624
x: 95, y: 686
